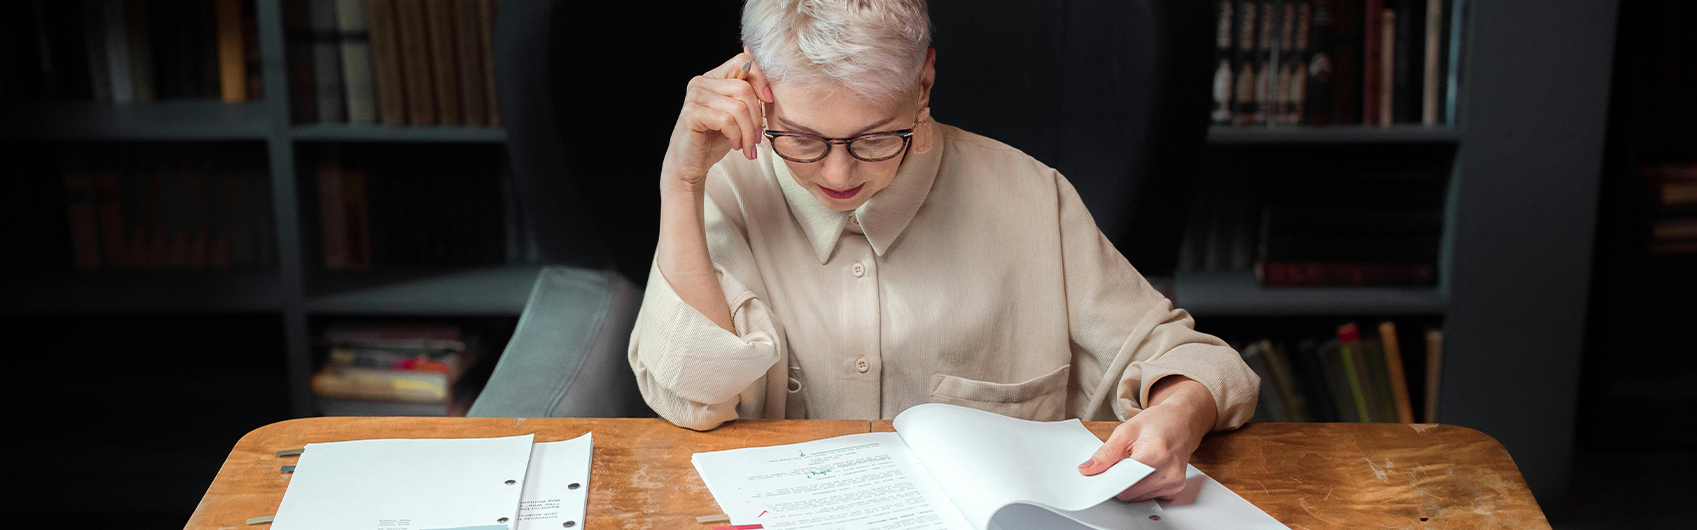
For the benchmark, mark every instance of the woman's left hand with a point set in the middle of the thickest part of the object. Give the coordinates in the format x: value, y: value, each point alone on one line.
x: 1162, y: 436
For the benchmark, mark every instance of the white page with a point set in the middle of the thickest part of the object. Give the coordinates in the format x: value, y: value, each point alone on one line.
x: 860, y: 481
x: 1206, y: 504
x: 986, y: 461
x: 556, y: 489
x: 406, y: 484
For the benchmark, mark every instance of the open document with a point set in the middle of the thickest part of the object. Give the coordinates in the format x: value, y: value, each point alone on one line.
x: 431, y: 484
x: 949, y: 467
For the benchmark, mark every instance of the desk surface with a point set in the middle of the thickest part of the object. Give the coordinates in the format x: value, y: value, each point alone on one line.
x: 1307, y: 475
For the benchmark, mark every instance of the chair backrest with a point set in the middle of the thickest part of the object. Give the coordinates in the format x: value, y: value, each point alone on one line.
x: 1113, y: 93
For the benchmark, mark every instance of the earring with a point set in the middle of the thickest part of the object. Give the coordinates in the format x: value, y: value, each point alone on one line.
x: 922, y: 133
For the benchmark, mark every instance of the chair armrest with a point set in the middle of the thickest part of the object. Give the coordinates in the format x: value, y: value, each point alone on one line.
x: 567, y: 357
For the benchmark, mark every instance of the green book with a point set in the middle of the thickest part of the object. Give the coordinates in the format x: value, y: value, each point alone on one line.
x: 1337, y: 384
x: 1347, y: 357
x: 1383, y: 401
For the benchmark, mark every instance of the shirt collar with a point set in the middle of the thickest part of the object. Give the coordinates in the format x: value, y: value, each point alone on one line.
x: 882, y: 218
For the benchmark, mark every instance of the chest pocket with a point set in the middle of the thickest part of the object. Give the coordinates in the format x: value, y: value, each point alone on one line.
x: 1042, y: 398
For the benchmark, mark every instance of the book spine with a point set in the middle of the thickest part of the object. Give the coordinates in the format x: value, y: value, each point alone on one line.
x: 1300, y: 52
x: 265, y: 227
x: 94, y: 45
x: 355, y: 44
x: 1338, y: 383
x: 1372, y: 61
x: 79, y: 207
x: 1394, y: 369
x: 1311, y: 373
x: 109, y: 213
x: 386, y: 62
x: 118, y: 52
x: 358, y: 218
x: 415, y: 63
x: 468, y: 25
x: 194, y: 203
x: 1266, y: 61
x: 1410, y: 49
x: 1382, y: 400
x: 140, y: 52
x: 175, y: 210
x: 232, y: 65
x: 439, y: 16
x: 1434, y: 368
x: 1290, y: 390
x: 303, y: 97
x: 327, y: 63
x: 1243, y: 60
x: 1222, y: 88
x: 1283, y: 274
x: 486, y: 19
x: 1433, y: 63
x: 252, y: 61
x: 1453, y: 60
x: 1387, y: 67
x: 332, y: 212
x: 220, y: 204
x: 1354, y: 374
x: 1284, y: 59
x: 1321, y: 68
x: 209, y: 77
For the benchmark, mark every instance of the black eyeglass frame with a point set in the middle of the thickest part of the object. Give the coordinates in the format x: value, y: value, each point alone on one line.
x: 905, y: 134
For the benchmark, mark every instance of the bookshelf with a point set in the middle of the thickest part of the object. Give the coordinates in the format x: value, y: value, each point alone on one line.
x: 295, y: 289
x: 1519, y: 169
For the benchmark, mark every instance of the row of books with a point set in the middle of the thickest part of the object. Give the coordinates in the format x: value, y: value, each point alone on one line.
x: 404, y: 207
x: 1350, y: 377
x: 394, y: 370
x: 1372, y: 62
x: 129, y: 51
x: 1305, y: 239
x: 172, y: 207
x: 394, y: 62
x: 1673, y: 227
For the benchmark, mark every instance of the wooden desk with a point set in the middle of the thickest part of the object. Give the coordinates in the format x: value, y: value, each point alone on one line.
x: 1309, y: 476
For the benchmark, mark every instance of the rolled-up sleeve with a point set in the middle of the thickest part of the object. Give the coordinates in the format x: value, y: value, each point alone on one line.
x: 1126, y: 335
x: 693, y: 372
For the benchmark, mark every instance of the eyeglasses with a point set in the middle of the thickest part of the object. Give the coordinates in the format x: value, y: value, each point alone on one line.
x: 874, y: 147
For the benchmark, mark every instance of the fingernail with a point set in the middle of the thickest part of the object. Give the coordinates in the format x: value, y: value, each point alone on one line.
x: 1087, y: 463
x: 747, y: 65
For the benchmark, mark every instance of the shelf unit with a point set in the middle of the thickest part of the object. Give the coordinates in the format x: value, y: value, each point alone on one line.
x: 293, y: 289
x: 1519, y: 214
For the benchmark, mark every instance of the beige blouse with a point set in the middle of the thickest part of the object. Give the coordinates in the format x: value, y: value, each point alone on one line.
x: 975, y: 278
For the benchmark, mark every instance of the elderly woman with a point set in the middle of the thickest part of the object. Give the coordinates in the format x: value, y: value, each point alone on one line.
x: 827, y: 250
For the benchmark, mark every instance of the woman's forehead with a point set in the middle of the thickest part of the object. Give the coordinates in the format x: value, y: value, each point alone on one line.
x: 831, y: 113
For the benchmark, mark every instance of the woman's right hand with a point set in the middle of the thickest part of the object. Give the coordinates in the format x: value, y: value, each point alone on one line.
x: 722, y: 111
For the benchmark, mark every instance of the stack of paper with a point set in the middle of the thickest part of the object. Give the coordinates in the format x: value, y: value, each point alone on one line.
x: 421, y: 484
x: 955, y: 468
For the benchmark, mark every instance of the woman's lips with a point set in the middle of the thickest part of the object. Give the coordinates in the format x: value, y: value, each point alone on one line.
x: 842, y: 194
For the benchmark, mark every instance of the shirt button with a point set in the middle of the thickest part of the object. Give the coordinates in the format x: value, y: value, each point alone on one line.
x: 862, y: 365
x: 858, y: 270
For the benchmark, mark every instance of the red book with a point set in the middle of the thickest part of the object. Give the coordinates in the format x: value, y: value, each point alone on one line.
x: 79, y: 206
x: 1371, y: 61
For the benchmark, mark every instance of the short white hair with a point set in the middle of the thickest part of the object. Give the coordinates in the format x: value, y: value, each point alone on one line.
x: 873, y: 48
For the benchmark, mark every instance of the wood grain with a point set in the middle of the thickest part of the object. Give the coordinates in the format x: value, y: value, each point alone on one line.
x: 1307, y: 475
x: 1365, y: 475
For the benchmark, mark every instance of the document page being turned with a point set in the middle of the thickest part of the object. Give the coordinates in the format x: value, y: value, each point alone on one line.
x: 861, y: 481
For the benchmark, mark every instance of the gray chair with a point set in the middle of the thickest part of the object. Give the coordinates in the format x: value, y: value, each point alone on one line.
x: 1113, y: 93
